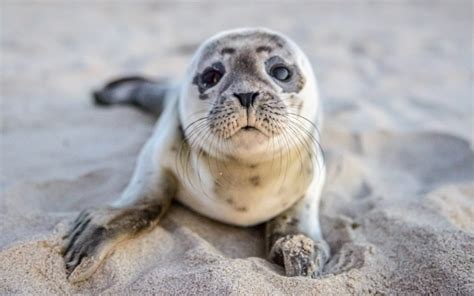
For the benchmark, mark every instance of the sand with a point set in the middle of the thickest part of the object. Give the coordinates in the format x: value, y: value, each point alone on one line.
x: 396, y: 80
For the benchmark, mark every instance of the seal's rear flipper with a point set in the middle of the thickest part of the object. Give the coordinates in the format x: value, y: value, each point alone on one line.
x: 143, y: 92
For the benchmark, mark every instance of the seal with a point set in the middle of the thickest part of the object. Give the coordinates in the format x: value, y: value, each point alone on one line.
x: 237, y: 141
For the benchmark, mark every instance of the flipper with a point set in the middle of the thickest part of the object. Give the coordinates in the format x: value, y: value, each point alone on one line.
x: 145, y: 93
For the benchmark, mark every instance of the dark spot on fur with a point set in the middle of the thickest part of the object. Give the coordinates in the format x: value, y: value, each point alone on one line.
x: 253, y: 166
x: 264, y: 48
x: 202, y: 152
x: 355, y: 225
x: 227, y: 50
x: 309, y: 170
x: 241, y: 209
x: 203, y: 96
x: 255, y: 180
x: 293, y: 221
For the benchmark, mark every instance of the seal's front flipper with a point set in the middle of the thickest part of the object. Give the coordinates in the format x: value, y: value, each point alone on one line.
x: 96, y: 232
x: 294, y: 239
x: 300, y: 255
x: 140, y: 91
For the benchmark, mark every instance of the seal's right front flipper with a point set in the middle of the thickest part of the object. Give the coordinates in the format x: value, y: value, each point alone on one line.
x: 140, y: 91
x: 96, y: 232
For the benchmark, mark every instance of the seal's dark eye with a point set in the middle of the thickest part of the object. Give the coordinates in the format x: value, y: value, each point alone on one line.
x: 281, y: 73
x: 210, y: 78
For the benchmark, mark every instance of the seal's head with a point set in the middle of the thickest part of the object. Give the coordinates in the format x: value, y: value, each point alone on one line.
x: 250, y: 93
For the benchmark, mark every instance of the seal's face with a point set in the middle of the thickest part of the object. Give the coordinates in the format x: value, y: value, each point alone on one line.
x: 246, y: 96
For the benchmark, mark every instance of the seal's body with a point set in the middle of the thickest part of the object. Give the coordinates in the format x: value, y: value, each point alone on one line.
x: 237, y: 141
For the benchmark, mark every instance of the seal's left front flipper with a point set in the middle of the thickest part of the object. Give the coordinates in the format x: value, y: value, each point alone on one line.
x: 294, y: 239
x: 300, y: 255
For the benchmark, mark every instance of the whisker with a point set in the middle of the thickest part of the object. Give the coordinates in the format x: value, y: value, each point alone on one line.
x: 311, y: 134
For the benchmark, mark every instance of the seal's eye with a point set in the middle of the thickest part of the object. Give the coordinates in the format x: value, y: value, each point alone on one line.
x: 280, y: 72
x: 210, y: 78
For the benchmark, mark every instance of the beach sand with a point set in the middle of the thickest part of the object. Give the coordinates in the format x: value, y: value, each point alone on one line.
x: 396, y: 82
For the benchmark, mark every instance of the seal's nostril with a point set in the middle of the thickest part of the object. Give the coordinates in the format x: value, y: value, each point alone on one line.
x: 254, y: 96
x: 247, y: 99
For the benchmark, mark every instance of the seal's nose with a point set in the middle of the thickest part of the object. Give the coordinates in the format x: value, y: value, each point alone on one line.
x: 246, y: 99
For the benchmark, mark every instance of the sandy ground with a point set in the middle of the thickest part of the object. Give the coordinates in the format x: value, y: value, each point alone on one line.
x: 398, y: 208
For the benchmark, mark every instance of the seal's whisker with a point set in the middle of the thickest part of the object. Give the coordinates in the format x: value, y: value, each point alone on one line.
x: 287, y: 154
x: 297, y: 142
x: 313, y: 139
x: 313, y: 125
x: 304, y: 144
x: 192, y: 138
x: 310, y: 142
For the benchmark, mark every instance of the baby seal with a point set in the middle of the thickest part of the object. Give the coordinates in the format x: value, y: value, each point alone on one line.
x: 237, y: 141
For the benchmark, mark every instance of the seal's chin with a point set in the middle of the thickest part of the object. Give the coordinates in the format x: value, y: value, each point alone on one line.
x: 248, y: 144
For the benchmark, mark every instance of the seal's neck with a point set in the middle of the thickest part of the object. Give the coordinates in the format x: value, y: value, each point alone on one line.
x: 272, y: 170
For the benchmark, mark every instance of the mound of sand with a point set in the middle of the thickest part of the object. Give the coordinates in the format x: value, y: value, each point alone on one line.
x: 398, y: 207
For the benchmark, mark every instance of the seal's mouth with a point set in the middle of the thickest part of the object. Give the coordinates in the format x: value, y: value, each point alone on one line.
x: 249, y: 128
x: 250, y: 131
